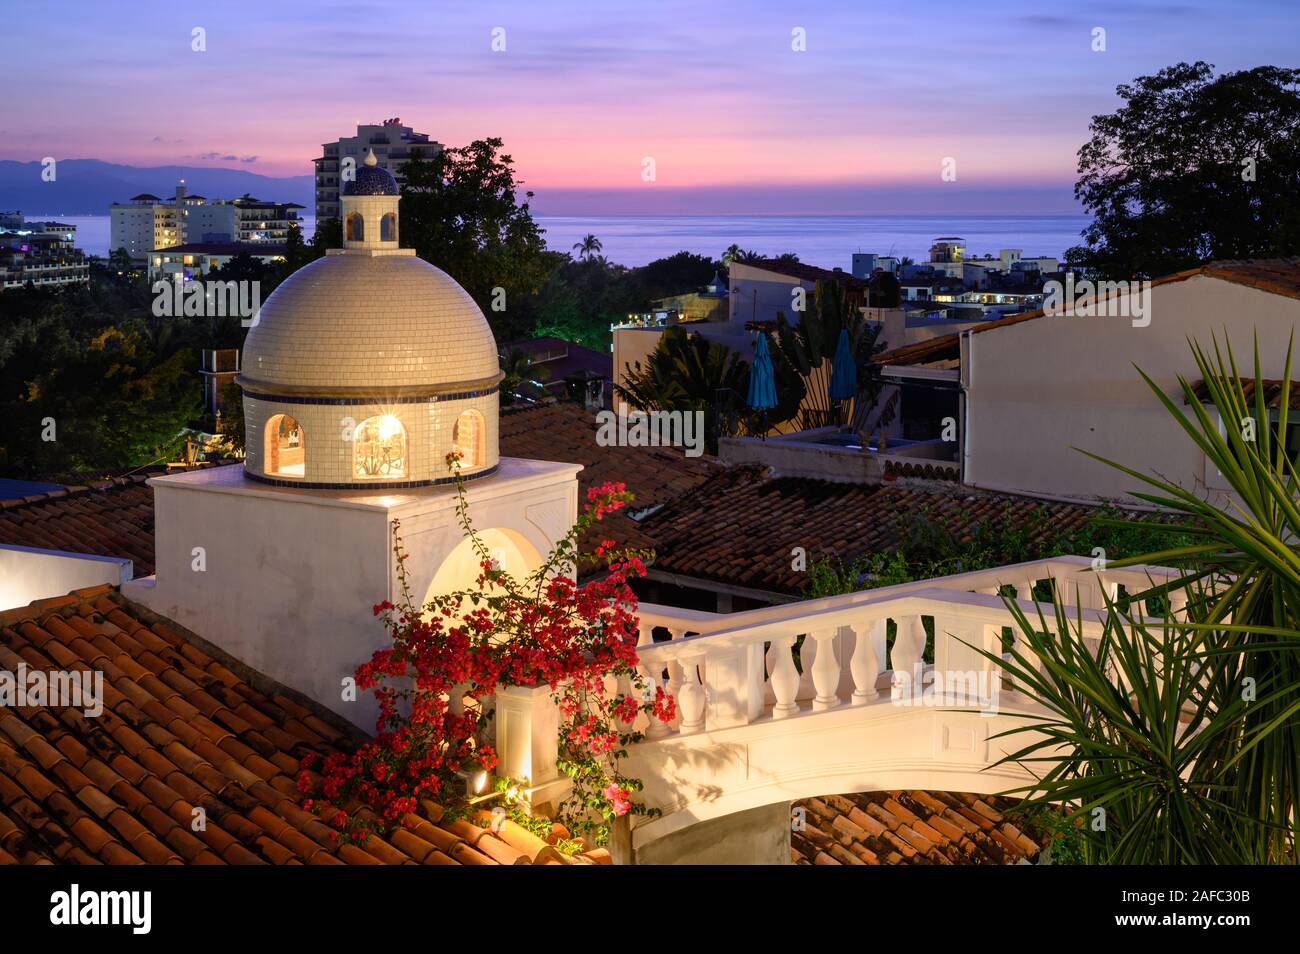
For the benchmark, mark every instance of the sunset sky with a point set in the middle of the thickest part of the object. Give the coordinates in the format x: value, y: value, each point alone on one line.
x: 584, y: 90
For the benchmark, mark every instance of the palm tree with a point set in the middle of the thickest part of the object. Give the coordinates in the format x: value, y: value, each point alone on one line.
x: 589, y: 246
x: 806, y: 352
x: 1197, y: 757
x: 735, y: 253
x: 686, y: 373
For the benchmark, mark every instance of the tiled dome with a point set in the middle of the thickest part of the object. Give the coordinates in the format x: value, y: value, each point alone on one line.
x: 371, y: 180
x: 360, y: 324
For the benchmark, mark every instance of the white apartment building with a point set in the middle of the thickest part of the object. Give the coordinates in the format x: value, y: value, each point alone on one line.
x: 392, y: 142
x: 147, y: 223
x: 245, y: 219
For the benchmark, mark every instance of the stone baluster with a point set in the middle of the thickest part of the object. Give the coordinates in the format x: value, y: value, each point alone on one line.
x: 674, y: 685
x: 825, y: 670
x: 623, y: 687
x: 652, y: 680
x: 785, y: 678
x: 769, y: 667
x: 865, y: 664
x: 691, y: 698
x: 807, y: 659
x: 908, y: 651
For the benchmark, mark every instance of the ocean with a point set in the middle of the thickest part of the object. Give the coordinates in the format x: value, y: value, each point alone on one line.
x: 825, y: 240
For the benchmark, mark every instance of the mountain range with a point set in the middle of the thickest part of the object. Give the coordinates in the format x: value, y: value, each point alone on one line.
x: 90, y: 186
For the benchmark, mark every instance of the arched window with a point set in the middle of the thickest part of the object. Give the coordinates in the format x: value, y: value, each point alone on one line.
x: 379, y: 449
x: 467, y: 437
x: 354, y: 227
x: 388, y: 228
x: 285, y: 447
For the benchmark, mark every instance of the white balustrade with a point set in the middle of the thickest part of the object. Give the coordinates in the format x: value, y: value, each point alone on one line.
x: 728, y: 670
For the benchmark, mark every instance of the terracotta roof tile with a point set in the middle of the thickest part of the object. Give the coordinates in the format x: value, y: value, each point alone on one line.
x: 566, y: 432
x: 908, y: 827
x: 123, y: 788
x: 739, y: 526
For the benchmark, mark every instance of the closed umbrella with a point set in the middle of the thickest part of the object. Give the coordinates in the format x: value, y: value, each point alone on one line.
x: 762, y: 381
x: 844, y: 371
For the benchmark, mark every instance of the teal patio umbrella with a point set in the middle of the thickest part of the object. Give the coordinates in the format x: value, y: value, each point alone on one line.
x: 762, y: 381
x: 844, y: 371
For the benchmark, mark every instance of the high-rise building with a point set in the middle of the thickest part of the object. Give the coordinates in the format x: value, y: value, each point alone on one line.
x: 392, y: 143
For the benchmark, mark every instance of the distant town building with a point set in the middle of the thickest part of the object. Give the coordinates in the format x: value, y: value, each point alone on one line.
x: 568, y: 371
x: 706, y: 304
x: 147, y: 223
x: 196, y: 259
x: 244, y: 219
x: 866, y: 263
x: 392, y: 143
x: 43, y: 253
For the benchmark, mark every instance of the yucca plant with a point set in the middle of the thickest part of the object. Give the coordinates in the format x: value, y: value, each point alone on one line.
x: 1195, y: 755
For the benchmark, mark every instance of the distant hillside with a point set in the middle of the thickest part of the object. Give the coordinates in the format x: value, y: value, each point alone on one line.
x: 89, y: 186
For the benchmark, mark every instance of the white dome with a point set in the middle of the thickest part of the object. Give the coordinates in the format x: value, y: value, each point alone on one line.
x: 363, y: 324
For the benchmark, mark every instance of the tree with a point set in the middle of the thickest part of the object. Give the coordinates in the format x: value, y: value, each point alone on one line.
x: 1192, y: 168
x: 805, y: 352
x: 461, y: 210
x: 686, y: 373
x: 588, y: 247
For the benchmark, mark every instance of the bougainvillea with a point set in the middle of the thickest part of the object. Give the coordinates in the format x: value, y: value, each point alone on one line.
x: 435, y: 684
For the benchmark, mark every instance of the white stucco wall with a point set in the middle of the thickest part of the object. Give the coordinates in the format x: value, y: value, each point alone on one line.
x: 28, y: 574
x: 288, y: 577
x: 1040, y: 387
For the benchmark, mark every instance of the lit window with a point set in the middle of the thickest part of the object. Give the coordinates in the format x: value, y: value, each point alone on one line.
x: 467, y: 437
x: 354, y: 229
x: 379, y: 449
x: 388, y: 228
x: 285, y: 447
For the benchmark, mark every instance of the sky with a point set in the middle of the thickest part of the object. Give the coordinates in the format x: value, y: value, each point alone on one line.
x: 734, y: 117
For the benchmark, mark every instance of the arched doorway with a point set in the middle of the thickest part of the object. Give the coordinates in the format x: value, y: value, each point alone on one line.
x: 285, y: 448
x: 460, y: 569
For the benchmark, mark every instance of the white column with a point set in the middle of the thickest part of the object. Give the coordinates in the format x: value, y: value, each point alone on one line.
x: 785, y: 678
x: 865, y: 664
x: 825, y: 670
x: 528, y: 732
